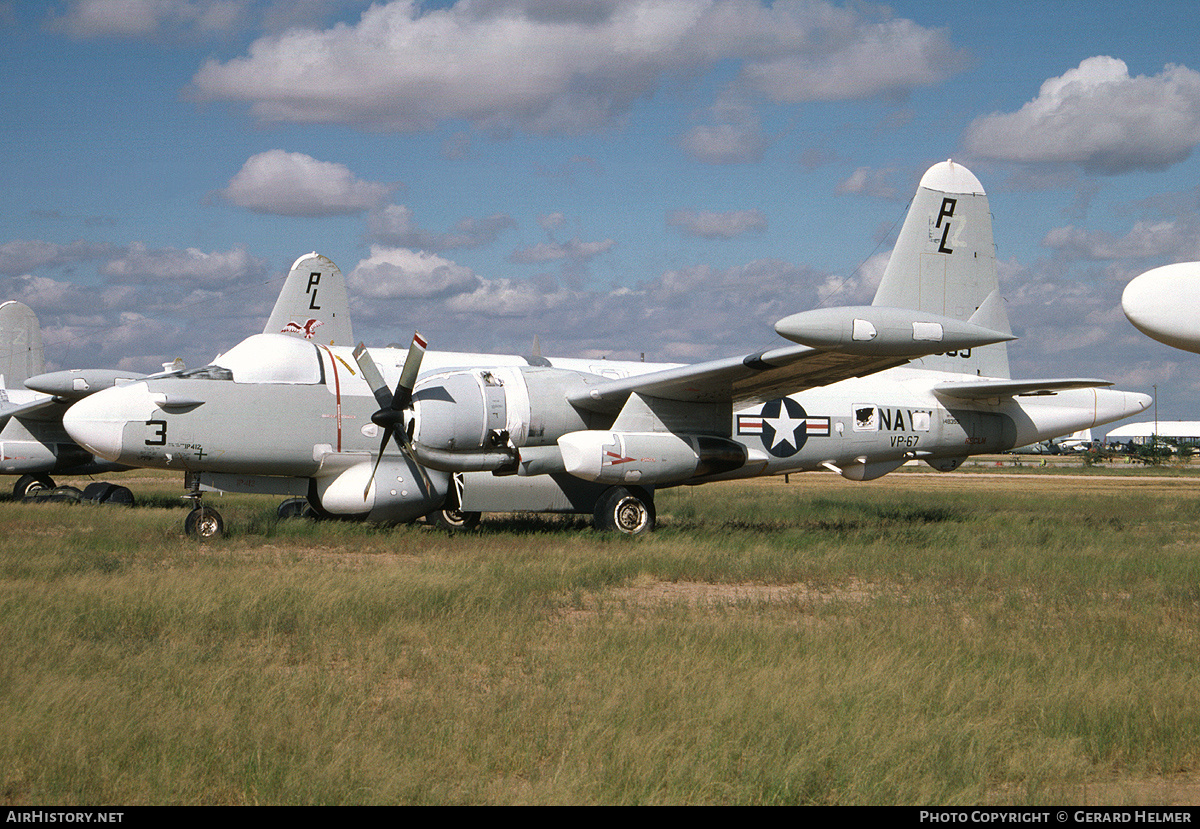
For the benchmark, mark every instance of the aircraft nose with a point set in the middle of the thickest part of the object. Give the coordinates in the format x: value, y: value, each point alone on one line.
x: 97, y: 422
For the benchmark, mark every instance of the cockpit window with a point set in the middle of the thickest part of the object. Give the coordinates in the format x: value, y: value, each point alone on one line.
x: 270, y: 358
x: 207, y: 373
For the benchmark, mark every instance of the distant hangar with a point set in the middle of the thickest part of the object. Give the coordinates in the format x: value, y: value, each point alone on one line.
x: 1175, y: 432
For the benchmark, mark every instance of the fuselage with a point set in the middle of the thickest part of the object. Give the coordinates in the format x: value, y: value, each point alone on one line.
x: 282, y: 407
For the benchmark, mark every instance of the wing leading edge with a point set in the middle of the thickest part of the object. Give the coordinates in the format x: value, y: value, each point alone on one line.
x: 9, y: 410
x: 744, y: 381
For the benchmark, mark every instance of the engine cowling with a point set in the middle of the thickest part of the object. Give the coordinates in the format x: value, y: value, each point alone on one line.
x: 476, y: 419
x: 647, y: 457
x: 398, y: 491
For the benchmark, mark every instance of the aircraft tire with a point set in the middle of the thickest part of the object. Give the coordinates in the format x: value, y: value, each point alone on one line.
x: 454, y: 519
x: 29, y: 484
x: 204, y: 523
x: 629, y: 511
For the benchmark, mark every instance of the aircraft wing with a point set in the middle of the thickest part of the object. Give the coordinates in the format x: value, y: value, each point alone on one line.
x: 834, y: 344
x: 743, y: 381
x: 976, y: 389
x: 9, y: 410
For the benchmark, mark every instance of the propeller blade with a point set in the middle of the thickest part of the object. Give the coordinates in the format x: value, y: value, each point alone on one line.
x: 383, y: 395
x: 408, y: 374
x: 405, y: 443
x: 387, y: 434
x: 392, y: 405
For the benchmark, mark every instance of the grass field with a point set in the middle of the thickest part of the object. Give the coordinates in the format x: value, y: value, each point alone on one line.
x: 921, y: 639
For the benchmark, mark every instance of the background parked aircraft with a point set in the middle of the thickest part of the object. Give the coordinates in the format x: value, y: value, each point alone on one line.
x: 33, y: 443
x: 407, y: 434
x: 312, y: 305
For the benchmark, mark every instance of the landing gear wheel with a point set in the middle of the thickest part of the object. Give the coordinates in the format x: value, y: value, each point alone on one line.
x: 625, y: 510
x: 454, y: 519
x: 204, y: 523
x: 29, y: 484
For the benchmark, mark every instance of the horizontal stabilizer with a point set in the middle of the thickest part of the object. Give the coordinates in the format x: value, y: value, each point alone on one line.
x: 983, y: 389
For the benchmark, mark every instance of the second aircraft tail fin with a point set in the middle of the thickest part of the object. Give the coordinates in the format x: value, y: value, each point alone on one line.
x: 944, y: 262
x: 21, y: 355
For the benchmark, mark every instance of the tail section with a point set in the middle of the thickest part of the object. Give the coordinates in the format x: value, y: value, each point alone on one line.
x: 21, y: 354
x: 944, y: 263
x: 313, y: 304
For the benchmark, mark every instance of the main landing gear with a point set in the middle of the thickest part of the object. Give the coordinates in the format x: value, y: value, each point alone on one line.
x: 627, y: 510
x: 452, y: 517
x: 29, y: 484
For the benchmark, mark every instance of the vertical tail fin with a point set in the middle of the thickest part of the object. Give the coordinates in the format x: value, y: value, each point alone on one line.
x: 21, y: 355
x: 944, y: 262
x: 313, y: 304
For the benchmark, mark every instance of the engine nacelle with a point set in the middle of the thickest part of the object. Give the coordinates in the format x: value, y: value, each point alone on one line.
x: 647, y: 457
x: 17, y: 456
x: 485, y: 410
x: 398, y: 492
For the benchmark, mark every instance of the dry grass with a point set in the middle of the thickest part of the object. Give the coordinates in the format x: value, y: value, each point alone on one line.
x: 920, y: 639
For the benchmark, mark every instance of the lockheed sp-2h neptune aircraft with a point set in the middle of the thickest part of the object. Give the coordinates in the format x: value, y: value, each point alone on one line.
x: 390, y: 436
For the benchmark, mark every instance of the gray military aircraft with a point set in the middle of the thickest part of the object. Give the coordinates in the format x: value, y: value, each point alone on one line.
x: 312, y: 305
x: 390, y: 436
x: 33, y: 443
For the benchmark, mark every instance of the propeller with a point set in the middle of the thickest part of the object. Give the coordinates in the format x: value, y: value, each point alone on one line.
x: 393, y: 405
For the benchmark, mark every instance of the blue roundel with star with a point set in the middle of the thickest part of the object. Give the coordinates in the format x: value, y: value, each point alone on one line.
x: 784, y: 427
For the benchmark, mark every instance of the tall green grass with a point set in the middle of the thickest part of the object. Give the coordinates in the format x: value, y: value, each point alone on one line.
x: 819, y: 643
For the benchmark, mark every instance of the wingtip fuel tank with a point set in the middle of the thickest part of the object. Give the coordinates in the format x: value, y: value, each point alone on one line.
x: 1159, y: 304
x: 881, y: 331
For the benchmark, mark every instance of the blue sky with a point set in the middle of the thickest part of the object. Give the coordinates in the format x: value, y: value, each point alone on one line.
x: 615, y: 177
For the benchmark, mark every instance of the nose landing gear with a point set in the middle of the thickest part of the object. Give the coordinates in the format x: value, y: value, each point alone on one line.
x: 203, y: 523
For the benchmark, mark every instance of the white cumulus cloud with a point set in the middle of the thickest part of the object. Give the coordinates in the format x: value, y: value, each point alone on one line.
x: 567, y: 68
x: 399, y: 273
x: 295, y: 184
x: 1101, y: 118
